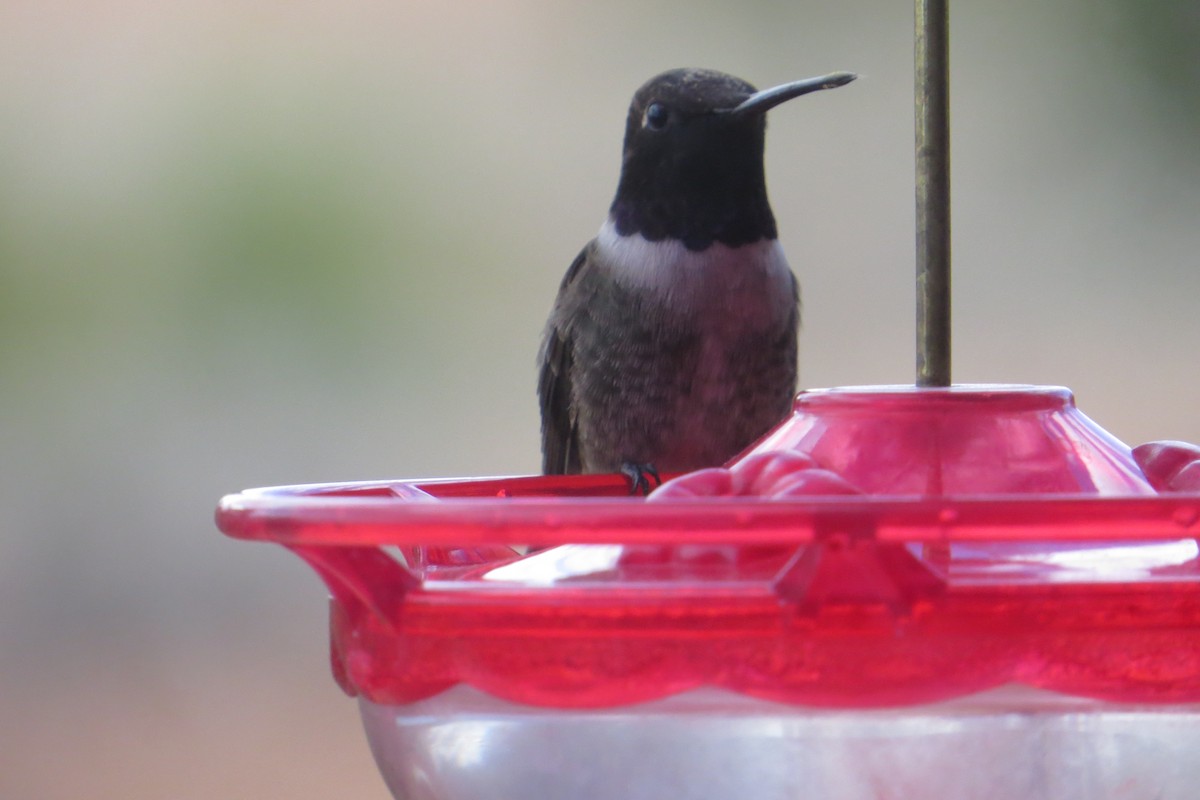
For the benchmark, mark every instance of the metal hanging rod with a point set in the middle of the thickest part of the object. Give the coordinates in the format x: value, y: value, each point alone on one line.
x: 933, y: 192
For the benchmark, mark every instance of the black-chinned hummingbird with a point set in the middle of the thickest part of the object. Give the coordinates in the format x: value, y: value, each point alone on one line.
x: 672, y: 342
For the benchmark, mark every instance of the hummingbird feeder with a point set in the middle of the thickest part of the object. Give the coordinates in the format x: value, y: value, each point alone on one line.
x: 929, y: 591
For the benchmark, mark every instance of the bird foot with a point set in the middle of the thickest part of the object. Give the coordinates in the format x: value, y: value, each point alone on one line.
x: 639, y: 476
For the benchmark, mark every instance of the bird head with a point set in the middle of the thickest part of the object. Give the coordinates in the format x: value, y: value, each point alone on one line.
x: 693, y: 157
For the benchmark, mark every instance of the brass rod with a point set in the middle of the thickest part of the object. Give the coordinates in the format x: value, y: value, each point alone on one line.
x: 933, y: 192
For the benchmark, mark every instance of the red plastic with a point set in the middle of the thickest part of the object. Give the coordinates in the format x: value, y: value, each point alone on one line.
x: 963, y: 440
x: 883, y: 546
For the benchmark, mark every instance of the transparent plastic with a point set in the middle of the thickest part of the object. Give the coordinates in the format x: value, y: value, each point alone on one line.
x: 712, y: 745
x: 899, y: 592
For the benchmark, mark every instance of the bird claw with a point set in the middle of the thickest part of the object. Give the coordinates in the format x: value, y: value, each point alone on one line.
x: 639, y: 476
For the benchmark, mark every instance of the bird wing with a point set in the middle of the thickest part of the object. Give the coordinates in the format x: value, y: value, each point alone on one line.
x: 560, y: 432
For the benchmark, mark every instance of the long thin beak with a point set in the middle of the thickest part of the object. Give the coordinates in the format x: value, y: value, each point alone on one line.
x: 761, y: 102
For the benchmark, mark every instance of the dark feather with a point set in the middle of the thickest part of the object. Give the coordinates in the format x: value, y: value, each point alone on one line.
x: 560, y: 432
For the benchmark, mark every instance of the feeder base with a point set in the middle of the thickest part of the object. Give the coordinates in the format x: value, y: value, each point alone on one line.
x: 1012, y: 743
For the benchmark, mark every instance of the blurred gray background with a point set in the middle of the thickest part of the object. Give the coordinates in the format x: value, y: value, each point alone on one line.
x: 258, y: 243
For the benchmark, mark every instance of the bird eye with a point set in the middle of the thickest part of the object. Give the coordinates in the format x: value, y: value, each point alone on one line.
x: 656, y: 117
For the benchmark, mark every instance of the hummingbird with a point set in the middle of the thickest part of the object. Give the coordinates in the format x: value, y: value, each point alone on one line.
x: 672, y: 343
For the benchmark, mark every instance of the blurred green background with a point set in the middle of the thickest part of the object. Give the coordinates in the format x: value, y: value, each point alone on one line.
x: 257, y: 243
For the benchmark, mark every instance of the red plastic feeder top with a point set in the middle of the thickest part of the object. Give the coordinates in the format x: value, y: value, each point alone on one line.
x: 882, y: 546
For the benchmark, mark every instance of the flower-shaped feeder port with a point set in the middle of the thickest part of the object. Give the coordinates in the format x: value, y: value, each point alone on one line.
x: 899, y: 592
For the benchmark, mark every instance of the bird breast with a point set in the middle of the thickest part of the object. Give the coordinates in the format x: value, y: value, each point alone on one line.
x: 746, y: 287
